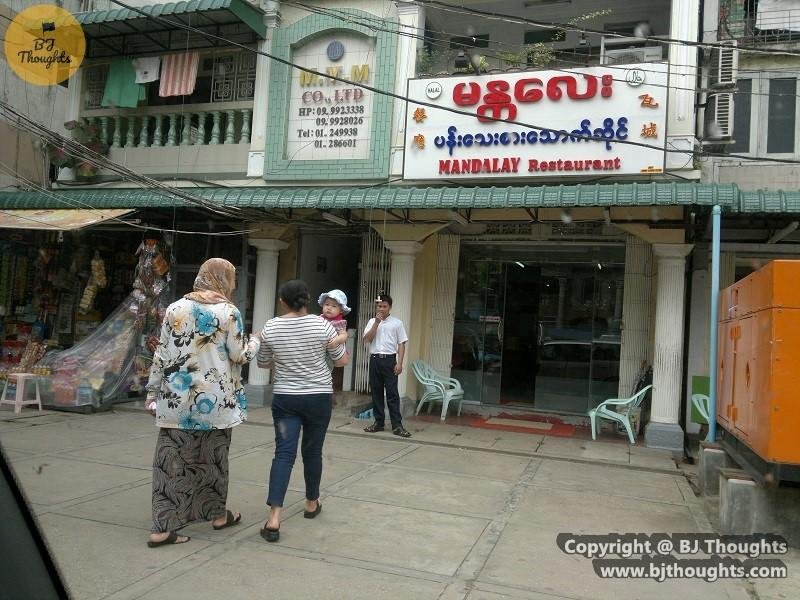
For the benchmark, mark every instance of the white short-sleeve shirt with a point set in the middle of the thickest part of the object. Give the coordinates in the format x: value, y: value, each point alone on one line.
x: 390, y: 335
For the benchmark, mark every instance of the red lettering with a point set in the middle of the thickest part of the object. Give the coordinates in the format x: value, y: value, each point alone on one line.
x: 521, y: 94
x: 533, y: 165
x: 551, y: 166
x: 606, y: 81
x: 598, y: 164
x: 496, y: 111
x: 444, y: 167
x: 466, y: 98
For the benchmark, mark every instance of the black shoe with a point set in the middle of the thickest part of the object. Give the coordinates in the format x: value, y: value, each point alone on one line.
x: 271, y: 535
x: 373, y: 428
x: 310, y: 514
x: 401, y: 432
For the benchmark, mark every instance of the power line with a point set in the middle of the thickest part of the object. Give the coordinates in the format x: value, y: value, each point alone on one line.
x: 341, y: 14
x: 435, y: 106
x: 445, y: 43
x: 77, y: 150
x: 79, y: 205
x: 572, y: 27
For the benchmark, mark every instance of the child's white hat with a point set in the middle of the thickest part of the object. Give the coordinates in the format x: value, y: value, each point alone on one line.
x: 337, y: 295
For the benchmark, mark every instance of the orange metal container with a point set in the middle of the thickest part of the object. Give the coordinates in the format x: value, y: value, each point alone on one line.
x: 759, y: 361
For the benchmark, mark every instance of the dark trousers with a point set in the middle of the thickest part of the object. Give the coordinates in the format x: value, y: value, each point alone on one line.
x: 381, y: 376
x: 290, y: 414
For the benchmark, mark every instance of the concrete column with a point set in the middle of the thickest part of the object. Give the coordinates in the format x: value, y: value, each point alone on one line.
x: 255, y: 163
x: 401, y: 286
x: 663, y: 431
x: 263, y: 306
x: 635, y: 312
x: 684, y: 25
x: 412, y: 23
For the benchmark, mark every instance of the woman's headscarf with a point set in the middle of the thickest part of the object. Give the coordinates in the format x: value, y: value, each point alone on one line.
x: 214, y: 282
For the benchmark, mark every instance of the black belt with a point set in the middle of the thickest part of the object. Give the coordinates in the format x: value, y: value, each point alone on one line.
x: 382, y: 355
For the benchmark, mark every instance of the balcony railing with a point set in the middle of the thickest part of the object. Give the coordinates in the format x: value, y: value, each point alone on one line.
x: 189, y: 125
x: 764, y: 26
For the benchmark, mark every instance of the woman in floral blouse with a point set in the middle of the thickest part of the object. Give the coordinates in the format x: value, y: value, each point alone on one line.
x: 195, y: 385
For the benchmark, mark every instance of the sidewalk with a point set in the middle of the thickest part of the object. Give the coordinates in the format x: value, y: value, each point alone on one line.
x: 452, y: 513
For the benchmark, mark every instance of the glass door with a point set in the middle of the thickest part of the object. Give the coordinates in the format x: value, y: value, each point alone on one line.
x: 539, y: 327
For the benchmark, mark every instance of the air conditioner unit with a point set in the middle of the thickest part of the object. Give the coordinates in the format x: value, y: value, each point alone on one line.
x: 624, y: 56
x: 727, y: 63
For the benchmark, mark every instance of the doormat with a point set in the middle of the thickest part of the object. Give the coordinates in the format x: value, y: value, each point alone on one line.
x: 529, y: 423
x: 536, y: 424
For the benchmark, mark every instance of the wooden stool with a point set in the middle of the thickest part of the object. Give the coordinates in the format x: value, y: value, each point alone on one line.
x: 19, y: 399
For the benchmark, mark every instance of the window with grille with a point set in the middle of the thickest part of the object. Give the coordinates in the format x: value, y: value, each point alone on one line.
x: 223, y: 76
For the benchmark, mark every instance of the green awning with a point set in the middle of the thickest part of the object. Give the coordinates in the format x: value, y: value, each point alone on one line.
x: 728, y: 196
x: 124, y: 32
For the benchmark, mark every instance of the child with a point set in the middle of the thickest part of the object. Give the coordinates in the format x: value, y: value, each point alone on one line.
x: 334, y: 305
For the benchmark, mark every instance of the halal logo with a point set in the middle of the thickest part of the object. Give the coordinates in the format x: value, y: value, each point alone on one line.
x: 45, y: 45
x: 335, y: 50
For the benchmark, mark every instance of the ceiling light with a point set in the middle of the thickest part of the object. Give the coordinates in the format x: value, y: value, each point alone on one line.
x: 334, y: 218
x: 457, y: 217
x: 599, y: 266
x: 519, y: 264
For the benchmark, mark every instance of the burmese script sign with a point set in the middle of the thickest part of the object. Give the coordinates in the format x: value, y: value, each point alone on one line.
x: 328, y: 119
x: 582, y: 118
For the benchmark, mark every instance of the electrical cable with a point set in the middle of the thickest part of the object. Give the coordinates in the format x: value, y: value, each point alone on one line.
x: 445, y: 44
x: 571, y: 27
x: 431, y: 105
x: 79, y: 205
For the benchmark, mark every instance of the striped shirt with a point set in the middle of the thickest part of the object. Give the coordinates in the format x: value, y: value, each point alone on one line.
x: 297, y: 346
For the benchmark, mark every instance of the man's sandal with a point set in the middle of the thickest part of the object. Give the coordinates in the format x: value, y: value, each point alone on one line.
x: 230, y: 519
x: 401, y: 432
x: 172, y: 538
x: 373, y: 428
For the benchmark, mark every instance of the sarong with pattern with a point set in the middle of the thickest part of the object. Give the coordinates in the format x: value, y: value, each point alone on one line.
x: 190, y: 477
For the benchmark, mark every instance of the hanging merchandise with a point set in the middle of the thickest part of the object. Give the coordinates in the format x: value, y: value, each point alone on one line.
x: 97, y: 281
x: 109, y: 362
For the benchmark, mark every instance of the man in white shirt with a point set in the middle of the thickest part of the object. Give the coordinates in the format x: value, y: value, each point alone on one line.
x: 387, y: 340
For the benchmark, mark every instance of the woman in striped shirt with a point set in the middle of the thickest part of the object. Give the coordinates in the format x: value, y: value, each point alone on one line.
x: 295, y: 345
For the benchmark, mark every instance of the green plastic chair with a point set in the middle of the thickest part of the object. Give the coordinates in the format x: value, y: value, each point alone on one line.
x: 624, y: 418
x: 437, y: 388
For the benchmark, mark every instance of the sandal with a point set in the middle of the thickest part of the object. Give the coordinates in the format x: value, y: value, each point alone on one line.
x: 229, y: 520
x: 310, y: 514
x: 172, y: 538
x: 271, y: 535
x: 401, y: 432
x: 373, y: 428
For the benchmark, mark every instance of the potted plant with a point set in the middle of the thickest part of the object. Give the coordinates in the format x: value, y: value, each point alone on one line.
x: 87, y: 134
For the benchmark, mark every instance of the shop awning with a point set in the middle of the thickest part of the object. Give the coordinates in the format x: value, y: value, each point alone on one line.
x: 728, y: 196
x: 57, y: 219
x: 157, y: 28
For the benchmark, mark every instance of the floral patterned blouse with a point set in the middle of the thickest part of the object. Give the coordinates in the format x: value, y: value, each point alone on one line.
x: 196, y: 370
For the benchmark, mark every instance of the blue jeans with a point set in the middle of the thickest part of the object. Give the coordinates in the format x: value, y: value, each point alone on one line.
x: 290, y: 414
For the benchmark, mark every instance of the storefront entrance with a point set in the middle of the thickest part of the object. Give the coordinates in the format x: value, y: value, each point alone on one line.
x: 538, y: 325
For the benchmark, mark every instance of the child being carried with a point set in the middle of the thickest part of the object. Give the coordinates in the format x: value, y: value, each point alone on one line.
x: 334, y: 307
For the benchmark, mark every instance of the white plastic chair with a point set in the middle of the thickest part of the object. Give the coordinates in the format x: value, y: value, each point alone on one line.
x: 437, y: 388
x: 624, y: 418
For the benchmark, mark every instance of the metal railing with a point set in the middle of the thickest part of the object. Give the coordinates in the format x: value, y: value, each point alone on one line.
x: 761, y: 27
x: 188, y: 125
